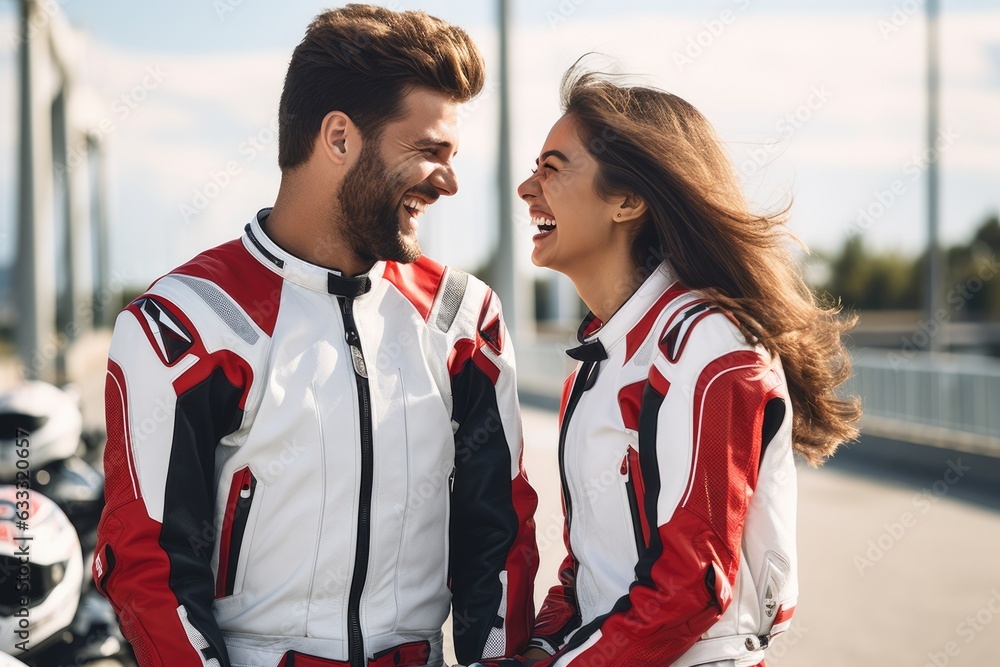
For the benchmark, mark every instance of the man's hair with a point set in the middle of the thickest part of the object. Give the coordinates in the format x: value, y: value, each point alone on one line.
x: 363, y: 60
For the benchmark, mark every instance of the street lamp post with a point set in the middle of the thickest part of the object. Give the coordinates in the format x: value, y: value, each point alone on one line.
x: 503, y: 276
x: 932, y: 296
x: 35, y: 265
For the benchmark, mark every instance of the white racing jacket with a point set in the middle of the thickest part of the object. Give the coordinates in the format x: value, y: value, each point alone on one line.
x: 301, y: 465
x: 678, y: 488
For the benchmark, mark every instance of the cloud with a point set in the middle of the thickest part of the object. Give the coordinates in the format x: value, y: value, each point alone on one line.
x: 748, y: 77
x: 759, y: 70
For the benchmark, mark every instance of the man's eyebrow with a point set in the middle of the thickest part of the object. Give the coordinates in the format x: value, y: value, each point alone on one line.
x: 431, y: 142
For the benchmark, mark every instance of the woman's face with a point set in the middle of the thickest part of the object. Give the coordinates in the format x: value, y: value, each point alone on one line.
x: 575, y: 225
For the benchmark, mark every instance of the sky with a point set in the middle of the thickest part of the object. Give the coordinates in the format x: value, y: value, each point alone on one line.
x: 819, y: 103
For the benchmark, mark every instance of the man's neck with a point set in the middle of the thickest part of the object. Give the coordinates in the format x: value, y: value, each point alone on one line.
x: 307, y: 231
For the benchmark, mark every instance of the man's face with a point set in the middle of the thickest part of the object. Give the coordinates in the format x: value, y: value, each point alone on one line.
x: 397, y: 177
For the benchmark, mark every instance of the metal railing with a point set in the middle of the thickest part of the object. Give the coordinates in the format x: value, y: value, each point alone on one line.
x: 944, y: 400
x: 950, y: 401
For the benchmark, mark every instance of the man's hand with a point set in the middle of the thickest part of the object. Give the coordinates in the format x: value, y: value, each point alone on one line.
x: 533, y: 655
x: 529, y: 658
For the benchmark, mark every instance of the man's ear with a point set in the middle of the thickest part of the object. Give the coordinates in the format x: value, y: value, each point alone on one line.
x: 339, y: 138
x: 632, y: 208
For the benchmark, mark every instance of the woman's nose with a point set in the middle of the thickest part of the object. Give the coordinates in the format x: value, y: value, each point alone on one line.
x: 528, y: 188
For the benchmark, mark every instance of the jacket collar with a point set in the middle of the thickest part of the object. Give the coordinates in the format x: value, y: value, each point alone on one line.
x: 593, y: 332
x: 301, y: 272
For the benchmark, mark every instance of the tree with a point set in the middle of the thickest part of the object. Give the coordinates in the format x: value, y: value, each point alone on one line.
x: 878, y: 282
x: 889, y: 281
x: 974, y: 273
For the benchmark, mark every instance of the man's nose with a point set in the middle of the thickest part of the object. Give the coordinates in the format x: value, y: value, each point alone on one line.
x: 444, y: 180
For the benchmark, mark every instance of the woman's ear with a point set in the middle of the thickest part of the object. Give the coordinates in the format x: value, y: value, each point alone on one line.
x: 632, y: 208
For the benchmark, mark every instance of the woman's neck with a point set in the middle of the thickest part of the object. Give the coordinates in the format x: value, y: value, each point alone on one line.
x: 607, y: 286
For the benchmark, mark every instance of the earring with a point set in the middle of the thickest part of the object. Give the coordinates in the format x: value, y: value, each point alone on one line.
x: 619, y: 215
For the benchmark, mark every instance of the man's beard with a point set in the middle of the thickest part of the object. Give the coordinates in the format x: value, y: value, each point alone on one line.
x: 369, y: 201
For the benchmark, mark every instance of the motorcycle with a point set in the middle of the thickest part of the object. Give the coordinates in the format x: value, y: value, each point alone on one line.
x: 44, y: 448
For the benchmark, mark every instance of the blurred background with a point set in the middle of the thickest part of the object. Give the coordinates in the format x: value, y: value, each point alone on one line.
x: 134, y: 135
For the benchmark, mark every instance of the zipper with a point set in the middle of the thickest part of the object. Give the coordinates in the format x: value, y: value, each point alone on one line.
x: 234, y: 525
x: 579, y: 386
x: 633, y: 503
x: 356, y: 641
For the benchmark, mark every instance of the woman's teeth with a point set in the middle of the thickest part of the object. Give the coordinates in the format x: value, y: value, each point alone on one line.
x: 415, y: 206
x: 543, y: 224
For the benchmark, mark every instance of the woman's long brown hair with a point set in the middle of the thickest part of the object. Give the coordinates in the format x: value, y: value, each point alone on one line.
x: 654, y: 145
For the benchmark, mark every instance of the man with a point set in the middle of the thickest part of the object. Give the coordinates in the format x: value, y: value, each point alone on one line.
x: 314, y: 441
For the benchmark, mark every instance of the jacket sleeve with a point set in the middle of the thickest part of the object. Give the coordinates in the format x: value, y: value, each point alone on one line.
x: 493, y: 555
x: 699, y: 450
x: 168, y: 402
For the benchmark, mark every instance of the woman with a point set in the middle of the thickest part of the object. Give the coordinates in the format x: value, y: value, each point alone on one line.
x: 704, y: 364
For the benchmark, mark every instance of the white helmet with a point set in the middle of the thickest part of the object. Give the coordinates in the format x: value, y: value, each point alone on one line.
x: 50, y: 417
x: 41, y: 570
